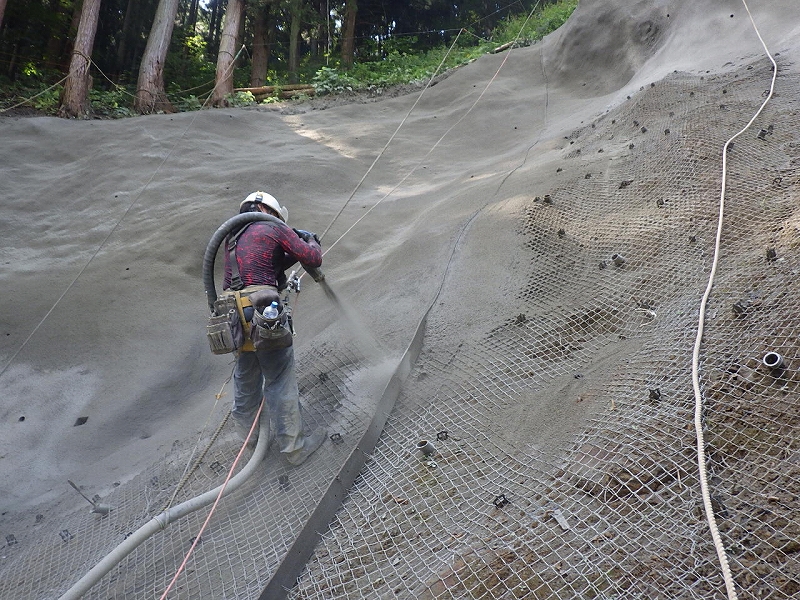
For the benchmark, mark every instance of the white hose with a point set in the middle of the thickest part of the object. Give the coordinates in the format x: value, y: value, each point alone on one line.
x: 698, y: 414
x: 161, y: 521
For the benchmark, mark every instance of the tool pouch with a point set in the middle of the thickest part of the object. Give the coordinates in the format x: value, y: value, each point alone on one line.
x: 224, y: 329
x: 271, y: 334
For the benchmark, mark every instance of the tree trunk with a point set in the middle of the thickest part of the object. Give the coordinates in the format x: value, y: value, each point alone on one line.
x: 349, y: 33
x: 227, y: 52
x: 72, y: 33
x: 150, y: 94
x: 12, y: 63
x: 124, y: 36
x: 57, y: 35
x: 261, y: 46
x: 295, y: 10
x: 214, y: 23
x: 76, y: 89
x: 317, y: 41
x: 287, y: 94
x: 268, y: 89
x: 2, y: 10
x: 243, y: 24
x: 190, y: 25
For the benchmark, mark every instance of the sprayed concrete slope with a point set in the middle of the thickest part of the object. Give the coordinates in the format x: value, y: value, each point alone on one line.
x: 104, y: 226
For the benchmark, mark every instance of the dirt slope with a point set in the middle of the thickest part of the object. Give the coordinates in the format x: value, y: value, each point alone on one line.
x: 104, y: 225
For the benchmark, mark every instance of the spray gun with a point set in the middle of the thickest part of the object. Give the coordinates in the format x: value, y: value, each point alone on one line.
x: 315, y: 273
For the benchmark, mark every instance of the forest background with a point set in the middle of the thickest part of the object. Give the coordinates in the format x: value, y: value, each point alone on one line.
x: 117, y: 58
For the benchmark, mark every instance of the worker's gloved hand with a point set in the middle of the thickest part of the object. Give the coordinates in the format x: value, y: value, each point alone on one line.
x: 307, y: 236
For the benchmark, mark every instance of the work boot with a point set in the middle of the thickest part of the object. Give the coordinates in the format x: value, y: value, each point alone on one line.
x: 310, y: 444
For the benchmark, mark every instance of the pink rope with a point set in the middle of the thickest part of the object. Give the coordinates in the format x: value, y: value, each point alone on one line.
x: 214, y: 506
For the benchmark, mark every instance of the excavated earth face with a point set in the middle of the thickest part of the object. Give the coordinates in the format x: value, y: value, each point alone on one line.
x: 558, y: 225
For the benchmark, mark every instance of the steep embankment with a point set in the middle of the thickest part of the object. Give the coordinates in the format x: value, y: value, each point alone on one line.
x: 554, y: 372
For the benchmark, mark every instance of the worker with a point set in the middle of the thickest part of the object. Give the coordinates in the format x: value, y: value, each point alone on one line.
x: 256, y: 258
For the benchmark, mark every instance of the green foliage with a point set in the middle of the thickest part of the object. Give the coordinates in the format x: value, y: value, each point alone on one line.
x: 39, y: 96
x: 400, y: 64
x: 240, y: 99
x: 115, y: 103
x: 383, y: 59
x: 331, y: 81
x: 195, y: 46
x: 36, y: 77
x: 396, y: 67
x: 187, y: 103
x: 403, y: 45
x: 48, y: 100
x: 525, y: 31
x: 187, y: 67
x: 30, y: 71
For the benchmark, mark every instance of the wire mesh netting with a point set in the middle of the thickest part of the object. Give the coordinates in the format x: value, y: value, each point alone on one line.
x: 247, y: 537
x: 607, y: 316
x: 564, y: 462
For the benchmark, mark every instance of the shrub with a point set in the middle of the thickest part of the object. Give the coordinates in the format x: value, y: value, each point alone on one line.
x: 526, y: 30
x: 48, y: 100
x: 116, y: 102
x: 188, y: 103
x: 240, y: 99
x: 331, y: 81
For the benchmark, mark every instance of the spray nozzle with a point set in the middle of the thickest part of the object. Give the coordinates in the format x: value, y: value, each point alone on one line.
x: 316, y: 273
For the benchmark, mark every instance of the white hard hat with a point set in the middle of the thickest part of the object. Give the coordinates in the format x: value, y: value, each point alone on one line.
x: 269, y: 200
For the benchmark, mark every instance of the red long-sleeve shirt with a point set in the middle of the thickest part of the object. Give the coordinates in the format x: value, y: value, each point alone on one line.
x: 265, y: 250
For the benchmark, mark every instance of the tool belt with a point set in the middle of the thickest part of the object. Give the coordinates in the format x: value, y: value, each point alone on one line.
x: 238, y: 325
x: 271, y: 334
x: 224, y: 329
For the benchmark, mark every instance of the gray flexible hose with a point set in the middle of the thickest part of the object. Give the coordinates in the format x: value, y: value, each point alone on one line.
x: 176, y: 512
x: 228, y: 227
x: 162, y: 520
x: 210, y: 256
